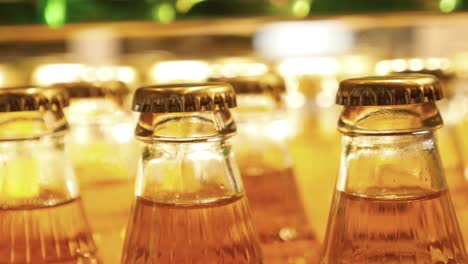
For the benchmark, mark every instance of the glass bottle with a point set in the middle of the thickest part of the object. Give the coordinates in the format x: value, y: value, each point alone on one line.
x: 459, y: 104
x: 41, y: 214
x: 189, y: 205
x: 448, y: 142
x: 103, y: 153
x: 266, y: 168
x: 311, y: 84
x: 459, y: 109
x: 391, y: 203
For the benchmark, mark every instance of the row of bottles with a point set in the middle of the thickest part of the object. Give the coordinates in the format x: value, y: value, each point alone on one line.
x: 187, y: 178
x: 267, y: 169
x: 185, y: 132
x: 101, y: 152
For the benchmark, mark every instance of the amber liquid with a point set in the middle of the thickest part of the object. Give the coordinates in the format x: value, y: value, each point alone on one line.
x: 46, y: 234
x: 419, y: 230
x: 460, y: 200
x: 459, y: 195
x: 452, y: 161
x: 213, y: 232
x: 108, y: 206
x: 280, y: 218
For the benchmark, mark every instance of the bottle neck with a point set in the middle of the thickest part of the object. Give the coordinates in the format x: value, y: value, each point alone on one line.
x: 261, y: 142
x: 390, y: 120
x: 390, y: 150
x: 35, y: 172
x: 187, y: 158
x: 185, y: 127
x: 402, y: 165
x: 187, y: 173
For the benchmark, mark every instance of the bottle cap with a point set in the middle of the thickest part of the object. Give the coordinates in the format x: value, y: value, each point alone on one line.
x: 396, y: 89
x: 17, y: 99
x: 189, y: 97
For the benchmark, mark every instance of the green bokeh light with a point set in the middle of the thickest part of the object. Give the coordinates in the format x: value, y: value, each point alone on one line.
x: 55, y: 12
x: 448, y: 6
x: 300, y: 8
x: 184, y: 6
x: 164, y: 13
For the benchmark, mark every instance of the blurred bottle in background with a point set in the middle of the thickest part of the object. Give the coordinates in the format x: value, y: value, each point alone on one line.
x: 460, y: 104
x: 391, y: 202
x: 311, y: 85
x: 261, y: 149
x: 189, y: 204
x: 178, y: 71
x: 42, y: 216
x: 110, y: 75
x: 104, y: 156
